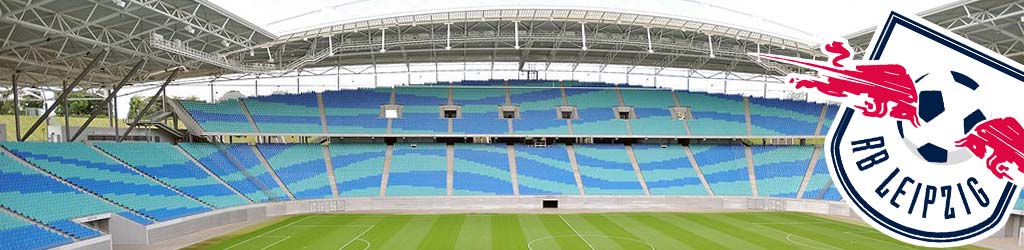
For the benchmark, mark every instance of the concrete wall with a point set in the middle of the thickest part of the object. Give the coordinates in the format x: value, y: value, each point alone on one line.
x: 127, y: 234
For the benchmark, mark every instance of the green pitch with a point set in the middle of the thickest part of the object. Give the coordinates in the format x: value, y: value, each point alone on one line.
x: 632, y: 231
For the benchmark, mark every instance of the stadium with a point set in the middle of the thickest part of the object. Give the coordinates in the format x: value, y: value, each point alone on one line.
x: 366, y: 124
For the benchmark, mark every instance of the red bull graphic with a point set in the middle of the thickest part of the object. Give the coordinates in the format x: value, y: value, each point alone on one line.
x: 1004, y: 136
x: 881, y: 83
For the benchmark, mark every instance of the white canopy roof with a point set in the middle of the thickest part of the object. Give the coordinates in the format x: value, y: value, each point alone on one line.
x: 809, y: 21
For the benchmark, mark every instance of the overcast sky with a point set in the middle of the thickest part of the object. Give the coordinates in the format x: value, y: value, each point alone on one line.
x: 807, y: 20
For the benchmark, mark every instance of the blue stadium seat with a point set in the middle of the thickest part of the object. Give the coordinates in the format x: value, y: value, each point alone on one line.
x: 418, y: 171
x: 605, y: 169
x: 16, y: 233
x: 301, y: 167
x: 667, y: 171
x: 544, y: 170
x: 725, y: 168
x: 481, y: 169
x: 237, y: 166
x: 780, y: 169
x: 358, y: 168
x: 80, y: 164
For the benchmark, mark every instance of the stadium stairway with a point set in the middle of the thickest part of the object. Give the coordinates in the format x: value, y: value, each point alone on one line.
x: 211, y: 173
x: 270, y: 170
x: 333, y: 180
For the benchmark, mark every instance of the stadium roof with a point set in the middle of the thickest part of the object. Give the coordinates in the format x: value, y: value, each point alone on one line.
x: 50, y: 41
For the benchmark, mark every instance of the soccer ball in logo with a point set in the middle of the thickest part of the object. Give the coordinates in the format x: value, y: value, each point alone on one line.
x: 948, y: 110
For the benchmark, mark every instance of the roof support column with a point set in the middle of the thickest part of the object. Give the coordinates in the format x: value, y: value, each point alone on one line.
x: 650, y: 45
x: 64, y: 94
x: 110, y: 96
x: 516, y: 23
x: 448, y: 37
x: 583, y: 33
x: 17, y: 114
x: 145, y: 109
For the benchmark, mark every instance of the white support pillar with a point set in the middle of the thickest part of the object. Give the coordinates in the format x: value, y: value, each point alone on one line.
x: 711, y: 48
x: 516, y: 23
x: 583, y: 32
x: 650, y: 45
x: 448, y: 37
x: 382, y: 31
x: 269, y: 56
x: 330, y: 44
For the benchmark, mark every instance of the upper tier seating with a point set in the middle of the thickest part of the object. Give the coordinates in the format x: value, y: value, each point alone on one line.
x: 358, y: 168
x: 667, y: 171
x: 221, y: 117
x: 288, y: 113
x: 725, y: 168
x: 163, y: 161
x: 780, y: 169
x: 421, y: 113
x: 301, y: 167
x: 82, y: 165
x: 830, y: 115
x: 545, y: 170
x: 605, y: 169
x: 418, y: 171
x: 356, y: 111
x: 714, y: 114
x: 783, y: 117
x: 537, y: 111
x: 479, y: 110
x: 16, y: 233
x: 596, y: 113
x: 33, y: 194
x: 228, y: 167
x: 481, y: 169
x: 653, y: 113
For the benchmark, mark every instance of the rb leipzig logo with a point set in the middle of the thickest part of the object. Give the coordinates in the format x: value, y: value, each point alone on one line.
x: 927, y: 147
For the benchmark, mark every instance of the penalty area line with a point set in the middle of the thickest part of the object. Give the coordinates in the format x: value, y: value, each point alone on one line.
x: 357, y: 237
x: 266, y: 233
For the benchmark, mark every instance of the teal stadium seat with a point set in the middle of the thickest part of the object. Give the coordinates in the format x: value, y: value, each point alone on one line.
x: 667, y: 171
x: 163, y: 161
x: 221, y: 117
x: 356, y: 111
x: 421, y: 112
x: 605, y: 169
x: 246, y: 174
x: 301, y: 167
x: 16, y: 233
x: 653, y: 113
x: 481, y: 169
x: 537, y: 111
x: 596, y: 112
x: 418, y: 171
x: 480, y: 110
x: 35, y: 195
x: 715, y: 114
x: 780, y: 169
x: 544, y: 170
x: 286, y: 113
x: 725, y: 168
x: 82, y: 165
x: 358, y: 168
x: 783, y: 117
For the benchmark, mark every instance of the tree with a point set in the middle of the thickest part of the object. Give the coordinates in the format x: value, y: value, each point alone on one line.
x: 138, y: 102
x: 81, y: 107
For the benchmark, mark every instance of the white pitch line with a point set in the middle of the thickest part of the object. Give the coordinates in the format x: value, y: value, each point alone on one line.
x: 275, y: 243
x: 368, y: 244
x: 577, y: 233
x: 877, y: 240
x: 357, y: 237
x: 268, y: 232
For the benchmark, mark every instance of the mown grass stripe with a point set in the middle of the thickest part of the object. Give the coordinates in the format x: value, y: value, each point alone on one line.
x: 767, y: 239
x: 700, y: 224
x: 443, y: 231
x: 476, y: 233
x: 563, y: 235
x: 506, y: 232
x: 664, y: 235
